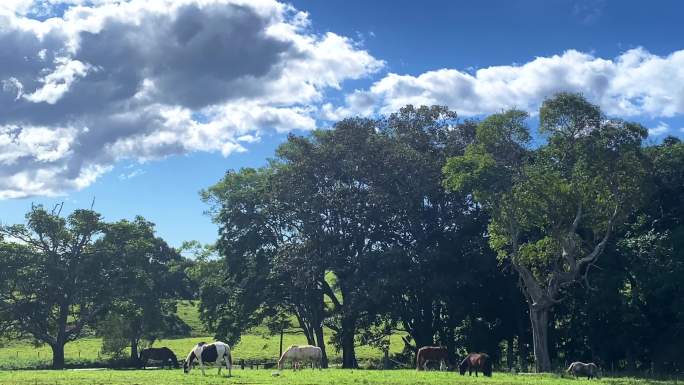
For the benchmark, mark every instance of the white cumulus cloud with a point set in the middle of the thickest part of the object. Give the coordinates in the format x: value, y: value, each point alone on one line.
x: 85, y: 84
x: 636, y: 83
x: 658, y: 130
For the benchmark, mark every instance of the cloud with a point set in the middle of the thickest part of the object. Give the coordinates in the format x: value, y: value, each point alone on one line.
x: 658, y: 130
x: 636, y: 83
x: 131, y: 174
x: 97, y: 82
x: 588, y: 11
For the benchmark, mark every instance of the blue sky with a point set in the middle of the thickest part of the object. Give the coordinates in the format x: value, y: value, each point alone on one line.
x: 142, y: 104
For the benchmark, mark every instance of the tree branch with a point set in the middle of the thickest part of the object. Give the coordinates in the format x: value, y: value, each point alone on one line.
x: 330, y: 293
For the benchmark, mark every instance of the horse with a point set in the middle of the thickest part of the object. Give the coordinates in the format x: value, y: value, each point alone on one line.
x: 476, y: 361
x: 158, y: 354
x: 213, y: 352
x: 296, y: 354
x: 431, y: 353
x: 581, y: 369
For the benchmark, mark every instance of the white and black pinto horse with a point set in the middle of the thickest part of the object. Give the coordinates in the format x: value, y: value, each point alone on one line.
x: 213, y: 353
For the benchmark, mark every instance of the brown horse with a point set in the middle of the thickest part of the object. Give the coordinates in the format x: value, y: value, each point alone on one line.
x: 158, y: 354
x: 476, y: 361
x: 431, y: 353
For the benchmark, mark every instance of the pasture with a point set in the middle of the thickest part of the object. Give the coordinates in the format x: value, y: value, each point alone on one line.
x: 255, y: 346
x: 308, y: 376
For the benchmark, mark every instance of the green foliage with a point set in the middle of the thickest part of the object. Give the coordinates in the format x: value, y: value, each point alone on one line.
x: 54, y: 279
x: 363, y: 202
x: 114, y: 331
x: 554, y: 207
x: 147, y: 281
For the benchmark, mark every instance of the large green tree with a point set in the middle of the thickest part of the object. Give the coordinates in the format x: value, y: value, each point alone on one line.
x: 149, y: 280
x: 553, y: 208
x: 349, y: 211
x: 440, y: 269
x: 267, y: 270
x: 55, y: 279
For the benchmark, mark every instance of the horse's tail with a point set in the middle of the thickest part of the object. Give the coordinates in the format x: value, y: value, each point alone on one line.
x: 230, y: 358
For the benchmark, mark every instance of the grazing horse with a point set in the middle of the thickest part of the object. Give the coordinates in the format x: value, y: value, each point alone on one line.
x: 581, y: 369
x: 431, y: 353
x: 158, y: 354
x: 476, y: 361
x: 297, y: 354
x: 214, y: 353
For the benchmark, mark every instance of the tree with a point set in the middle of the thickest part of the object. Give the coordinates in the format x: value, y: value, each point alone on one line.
x: 55, y: 279
x: 148, y: 282
x: 355, y: 210
x: 329, y: 178
x: 266, y: 273
x: 440, y: 267
x: 553, y: 208
x: 652, y: 246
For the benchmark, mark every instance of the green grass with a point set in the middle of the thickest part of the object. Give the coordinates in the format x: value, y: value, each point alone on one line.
x: 307, y: 376
x: 188, y: 312
x: 256, y: 345
x: 84, y: 352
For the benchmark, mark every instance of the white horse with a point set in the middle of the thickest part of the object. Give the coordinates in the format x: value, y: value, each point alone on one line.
x: 298, y: 354
x: 213, y: 353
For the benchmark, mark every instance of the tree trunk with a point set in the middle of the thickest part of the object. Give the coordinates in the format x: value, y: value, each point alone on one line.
x: 320, y: 342
x: 509, y: 353
x: 540, y: 326
x: 282, y: 331
x: 348, y: 352
x: 135, y: 358
x: 58, y: 355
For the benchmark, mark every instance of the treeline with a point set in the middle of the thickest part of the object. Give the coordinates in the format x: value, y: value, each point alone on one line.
x: 473, y: 235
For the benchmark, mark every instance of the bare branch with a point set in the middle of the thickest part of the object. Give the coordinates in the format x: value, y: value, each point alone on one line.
x: 598, y: 249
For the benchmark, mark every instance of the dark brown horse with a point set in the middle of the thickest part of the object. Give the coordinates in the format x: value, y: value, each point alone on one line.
x: 477, y: 362
x: 158, y: 354
x: 434, y: 354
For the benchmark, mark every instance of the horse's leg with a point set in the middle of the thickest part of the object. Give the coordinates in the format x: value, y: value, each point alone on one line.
x: 202, y: 366
x: 228, y: 366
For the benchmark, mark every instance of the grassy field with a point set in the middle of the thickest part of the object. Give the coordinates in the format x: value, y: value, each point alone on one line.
x: 84, y: 352
x: 308, y: 376
x: 256, y: 345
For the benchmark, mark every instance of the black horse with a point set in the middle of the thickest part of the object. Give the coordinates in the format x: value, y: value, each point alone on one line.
x: 158, y: 354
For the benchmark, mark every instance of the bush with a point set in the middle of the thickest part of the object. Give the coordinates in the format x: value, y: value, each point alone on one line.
x: 113, y: 330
